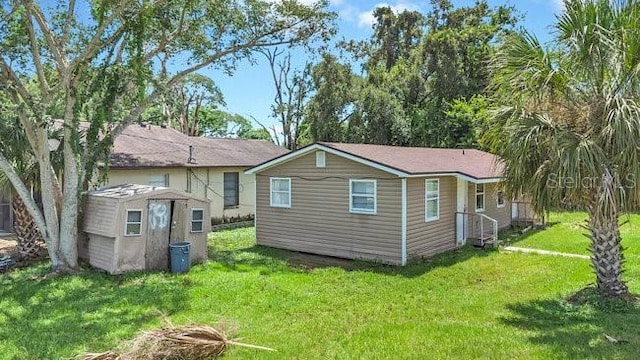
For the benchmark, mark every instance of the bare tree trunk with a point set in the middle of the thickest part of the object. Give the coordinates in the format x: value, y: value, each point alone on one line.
x: 69, y: 219
x: 607, y: 258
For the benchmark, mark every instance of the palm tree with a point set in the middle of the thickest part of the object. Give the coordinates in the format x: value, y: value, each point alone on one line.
x: 572, y: 122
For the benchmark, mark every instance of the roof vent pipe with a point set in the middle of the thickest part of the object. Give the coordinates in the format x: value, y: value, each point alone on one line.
x: 191, y: 160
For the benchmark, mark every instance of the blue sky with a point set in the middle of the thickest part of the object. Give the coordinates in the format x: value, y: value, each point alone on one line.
x: 250, y: 91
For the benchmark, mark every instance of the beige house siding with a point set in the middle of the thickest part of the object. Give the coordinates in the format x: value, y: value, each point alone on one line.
x: 436, y: 236
x: 206, y: 183
x: 491, y: 209
x: 319, y: 220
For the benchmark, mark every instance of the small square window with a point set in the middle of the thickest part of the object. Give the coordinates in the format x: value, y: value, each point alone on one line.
x: 197, y: 220
x: 159, y: 180
x: 362, y: 196
x: 280, y: 192
x: 133, y: 223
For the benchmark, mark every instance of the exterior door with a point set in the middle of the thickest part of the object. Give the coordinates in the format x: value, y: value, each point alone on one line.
x: 158, y: 235
x: 461, y: 208
x: 179, y: 221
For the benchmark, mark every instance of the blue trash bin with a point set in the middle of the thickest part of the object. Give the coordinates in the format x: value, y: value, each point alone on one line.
x: 180, y: 256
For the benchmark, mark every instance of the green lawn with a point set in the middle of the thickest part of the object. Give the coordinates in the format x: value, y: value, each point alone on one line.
x: 465, y: 304
x: 567, y: 232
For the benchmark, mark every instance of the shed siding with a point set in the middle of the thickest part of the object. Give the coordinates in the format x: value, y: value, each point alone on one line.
x: 491, y: 209
x: 198, y: 240
x: 433, y: 237
x: 319, y: 220
x: 101, y: 252
x: 100, y: 215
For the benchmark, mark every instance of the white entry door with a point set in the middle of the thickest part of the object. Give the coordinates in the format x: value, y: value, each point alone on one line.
x: 461, y: 206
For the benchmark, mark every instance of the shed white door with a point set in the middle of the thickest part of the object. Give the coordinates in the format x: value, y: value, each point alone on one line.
x: 159, y: 231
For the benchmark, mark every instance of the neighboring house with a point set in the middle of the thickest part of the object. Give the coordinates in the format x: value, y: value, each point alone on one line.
x: 382, y: 203
x: 210, y: 168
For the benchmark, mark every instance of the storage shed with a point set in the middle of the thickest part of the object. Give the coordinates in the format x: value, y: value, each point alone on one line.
x: 130, y: 227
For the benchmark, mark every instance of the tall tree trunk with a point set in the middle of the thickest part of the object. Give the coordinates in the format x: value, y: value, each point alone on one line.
x: 607, y: 258
x: 68, y: 250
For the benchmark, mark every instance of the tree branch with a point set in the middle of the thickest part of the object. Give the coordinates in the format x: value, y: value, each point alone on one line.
x: 36, y: 12
x: 35, y: 51
x: 67, y: 24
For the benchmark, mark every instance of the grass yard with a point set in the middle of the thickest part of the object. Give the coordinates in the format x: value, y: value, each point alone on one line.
x: 465, y: 304
x: 567, y: 233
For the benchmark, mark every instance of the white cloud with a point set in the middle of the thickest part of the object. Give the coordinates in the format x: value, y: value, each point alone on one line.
x: 366, y: 18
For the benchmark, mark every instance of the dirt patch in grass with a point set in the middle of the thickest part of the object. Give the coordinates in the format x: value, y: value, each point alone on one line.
x: 7, y: 245
x: 590, y: 296
x: 312, y: 261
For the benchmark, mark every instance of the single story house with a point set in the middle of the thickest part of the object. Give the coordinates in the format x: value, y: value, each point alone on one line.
x: 210, y: 168
x: 381, y: 203
x: 129, y: 227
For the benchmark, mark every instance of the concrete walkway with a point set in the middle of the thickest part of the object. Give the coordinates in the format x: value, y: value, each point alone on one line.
x: 544, y: 252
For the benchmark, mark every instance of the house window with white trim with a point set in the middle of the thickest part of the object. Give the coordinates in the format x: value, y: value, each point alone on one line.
x: 479, y: 197
x: 280, y: 190
x: 500, y: 199
x: 431, y: 200
x: 133, y: 223
x: 197, y: 220
x: 161, y: 180
x: 362, y: 196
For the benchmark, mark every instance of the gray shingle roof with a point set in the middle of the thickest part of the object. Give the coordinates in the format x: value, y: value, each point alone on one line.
x: 154, y: 146
x: 419, y: 160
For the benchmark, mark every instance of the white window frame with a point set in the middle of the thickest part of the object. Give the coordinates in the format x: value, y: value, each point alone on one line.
x: 504, y: 202
x: 429, y: 196
x: 271, y: 191
x: 375, y: 197
x: 197, y: 221
x: 321, y: 159
x: 127, y: 222
x: 480, y: 209
x: 155, y: 179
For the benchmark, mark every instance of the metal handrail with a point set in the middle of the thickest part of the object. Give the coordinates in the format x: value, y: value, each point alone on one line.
x: 494, y: 225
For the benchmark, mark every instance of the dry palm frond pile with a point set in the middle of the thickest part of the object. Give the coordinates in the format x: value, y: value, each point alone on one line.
x: 191, y: 342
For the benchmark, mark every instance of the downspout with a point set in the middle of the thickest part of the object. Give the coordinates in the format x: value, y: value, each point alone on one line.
x: 206, y: 188
x: 403, y: 222
x: 188, y: 174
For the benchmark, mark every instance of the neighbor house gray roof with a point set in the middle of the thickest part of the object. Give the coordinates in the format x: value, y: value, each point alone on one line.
x: 407, y: 161
x: 154, y: 146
